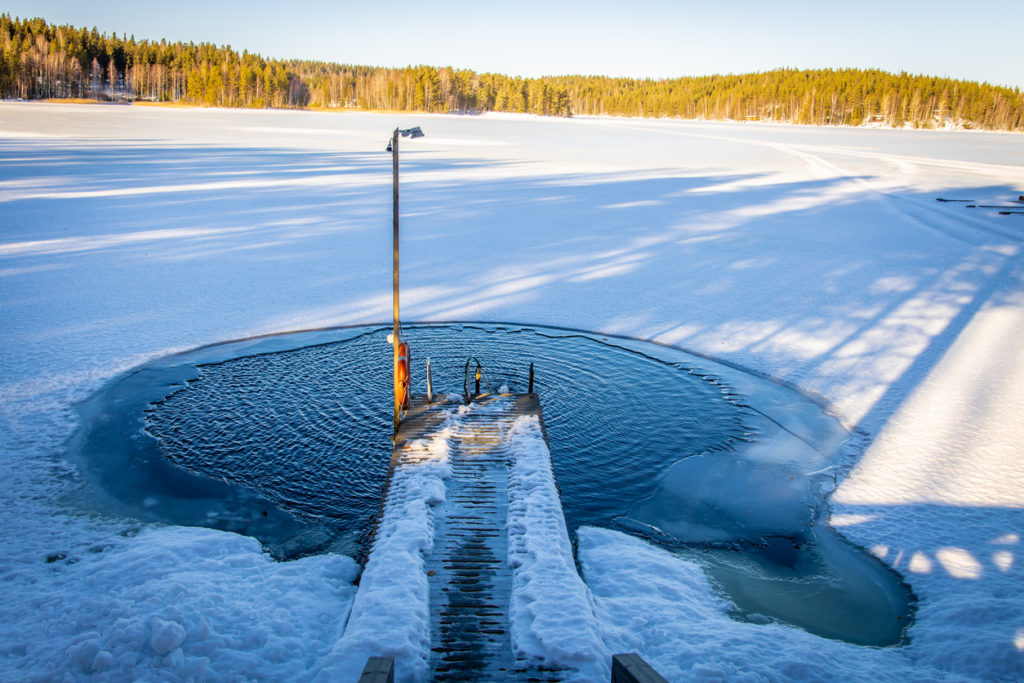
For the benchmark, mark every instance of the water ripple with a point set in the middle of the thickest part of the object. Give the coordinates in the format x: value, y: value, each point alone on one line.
x: 309, y: 428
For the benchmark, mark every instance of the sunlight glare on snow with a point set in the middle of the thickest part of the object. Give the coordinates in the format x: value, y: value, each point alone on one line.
x: 848, y: 519
x: 65, y: 245
x: 920, y: 564
x: 959, y: 563
x: 973, y: 390
x: 340, y: 179
x: 1003, y: 559
x: 893, y: 283
x: 633, y: 205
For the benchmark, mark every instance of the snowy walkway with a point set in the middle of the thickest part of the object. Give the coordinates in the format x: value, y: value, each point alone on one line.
x: 471, y: 576
x: 470, y: 581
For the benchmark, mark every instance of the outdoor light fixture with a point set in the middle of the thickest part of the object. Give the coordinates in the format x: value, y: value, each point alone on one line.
x: 396, y: 340
x: 414, y: 132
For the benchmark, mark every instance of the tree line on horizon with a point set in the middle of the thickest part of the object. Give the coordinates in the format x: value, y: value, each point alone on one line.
x: 43, y: 61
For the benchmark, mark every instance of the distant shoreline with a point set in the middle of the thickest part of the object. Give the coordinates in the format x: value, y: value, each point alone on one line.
x: 502, y: 114
x: 46, y: 61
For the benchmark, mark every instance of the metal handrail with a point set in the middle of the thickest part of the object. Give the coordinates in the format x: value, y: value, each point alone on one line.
x: 478, y: 375
x: 430, y: 384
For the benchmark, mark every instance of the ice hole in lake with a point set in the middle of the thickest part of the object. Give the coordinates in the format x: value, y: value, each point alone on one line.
x: 286, y: 438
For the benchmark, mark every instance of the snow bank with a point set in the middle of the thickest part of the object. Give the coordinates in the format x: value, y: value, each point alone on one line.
x: 551, y: 611
x: 664, y: 608
x: 391, y: 613
x: 179, y: 604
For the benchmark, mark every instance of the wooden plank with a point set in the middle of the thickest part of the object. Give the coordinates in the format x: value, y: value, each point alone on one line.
x: 378, y: 670
x: 631, y: 668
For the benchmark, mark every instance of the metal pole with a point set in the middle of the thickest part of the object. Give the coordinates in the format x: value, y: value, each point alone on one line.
x: 394, y: 334
x: 430, y: 384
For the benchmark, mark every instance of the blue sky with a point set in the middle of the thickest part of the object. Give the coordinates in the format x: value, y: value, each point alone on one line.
x: 643, y: 38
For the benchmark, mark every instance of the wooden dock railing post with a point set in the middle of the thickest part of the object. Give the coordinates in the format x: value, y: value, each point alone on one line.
x: 378, y: 670
x: 631, y: 668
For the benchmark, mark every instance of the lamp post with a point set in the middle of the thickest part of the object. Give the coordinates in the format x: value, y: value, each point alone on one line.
x: 414, y: 132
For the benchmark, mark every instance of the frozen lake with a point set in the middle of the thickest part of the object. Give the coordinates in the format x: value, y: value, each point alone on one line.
x: 816, y: 257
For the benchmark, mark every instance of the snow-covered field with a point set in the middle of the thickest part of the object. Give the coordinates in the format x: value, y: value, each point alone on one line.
x: 817, y: 257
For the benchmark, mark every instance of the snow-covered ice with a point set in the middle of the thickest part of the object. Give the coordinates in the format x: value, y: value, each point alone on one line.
x: 816, y: 257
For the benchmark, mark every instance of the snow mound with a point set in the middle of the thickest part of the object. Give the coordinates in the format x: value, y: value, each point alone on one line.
x: 391, y: 613
x: 185, y: 604
x: 654, y: 603
x: 551, y: 611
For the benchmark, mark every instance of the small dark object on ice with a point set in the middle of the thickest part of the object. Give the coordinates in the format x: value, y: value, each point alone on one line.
x: 1011, y: 213
x: 941, y: 199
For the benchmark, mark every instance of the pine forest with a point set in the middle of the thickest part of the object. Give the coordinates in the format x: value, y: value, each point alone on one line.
x: 42, y: 61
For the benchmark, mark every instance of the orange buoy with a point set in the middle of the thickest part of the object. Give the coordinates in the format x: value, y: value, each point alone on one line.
x: 402, y: 372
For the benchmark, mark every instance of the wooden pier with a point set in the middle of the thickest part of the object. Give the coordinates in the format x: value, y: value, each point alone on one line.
x: 470, y: 581
x: 471, y: 550
x: 471, y: 576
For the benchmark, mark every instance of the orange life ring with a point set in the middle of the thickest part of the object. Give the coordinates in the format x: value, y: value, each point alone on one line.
x: 402, y: 372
